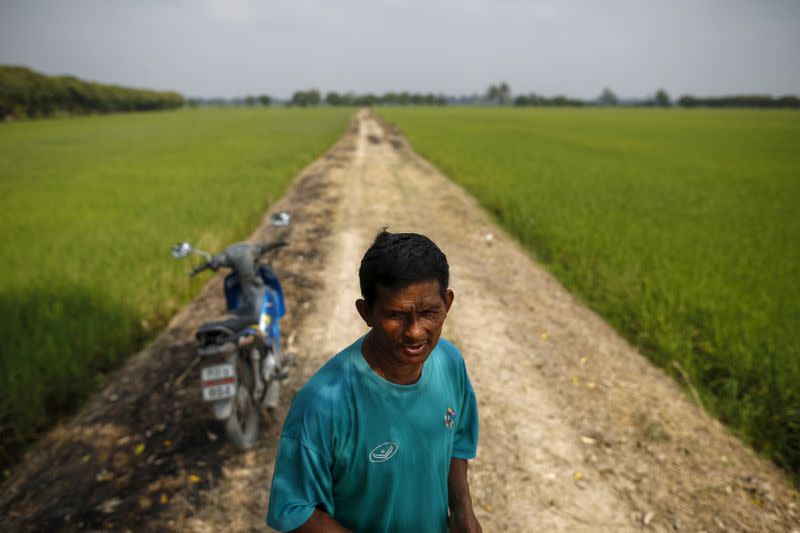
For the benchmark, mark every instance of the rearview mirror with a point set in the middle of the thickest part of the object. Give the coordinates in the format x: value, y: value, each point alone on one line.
x: 280, y: 219
x: 182, y: 249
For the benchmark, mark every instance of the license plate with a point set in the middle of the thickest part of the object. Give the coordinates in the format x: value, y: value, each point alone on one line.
x: 219, y: 382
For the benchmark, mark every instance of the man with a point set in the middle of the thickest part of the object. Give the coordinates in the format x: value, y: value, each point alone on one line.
x: 378, y: 439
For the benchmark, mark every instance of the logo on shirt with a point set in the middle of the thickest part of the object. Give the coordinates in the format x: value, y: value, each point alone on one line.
x: 449, y: 417
x: 383, y: 452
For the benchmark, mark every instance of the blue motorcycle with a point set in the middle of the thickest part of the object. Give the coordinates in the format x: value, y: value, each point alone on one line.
x: 243, y: 361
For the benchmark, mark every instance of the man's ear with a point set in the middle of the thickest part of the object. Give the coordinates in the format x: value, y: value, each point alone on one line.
x: 363, y: 310
x: 449, y: 296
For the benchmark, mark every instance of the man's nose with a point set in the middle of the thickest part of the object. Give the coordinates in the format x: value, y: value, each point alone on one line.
x: 414, y: 329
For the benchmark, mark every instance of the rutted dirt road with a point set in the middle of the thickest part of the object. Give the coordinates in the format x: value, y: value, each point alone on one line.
x: 578, y: 431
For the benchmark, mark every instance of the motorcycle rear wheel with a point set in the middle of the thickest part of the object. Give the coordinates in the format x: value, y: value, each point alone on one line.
x: 241, y: 427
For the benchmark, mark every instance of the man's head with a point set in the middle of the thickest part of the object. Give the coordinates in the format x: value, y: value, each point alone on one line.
x: 396, y: 260
x: 404, y: 279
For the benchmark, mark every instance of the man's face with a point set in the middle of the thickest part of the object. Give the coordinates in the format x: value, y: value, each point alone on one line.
x: 407, y: 322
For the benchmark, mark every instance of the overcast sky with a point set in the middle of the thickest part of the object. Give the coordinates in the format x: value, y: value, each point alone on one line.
x: 236, y: 47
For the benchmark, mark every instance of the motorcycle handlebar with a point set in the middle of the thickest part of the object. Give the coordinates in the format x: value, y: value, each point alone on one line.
x: 216, y: 261
x: 265, y: 247
x: 199, y: 269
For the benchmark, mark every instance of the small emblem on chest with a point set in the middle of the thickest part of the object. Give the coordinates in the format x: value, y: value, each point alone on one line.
x: 383, y: 452
x: 449, y: 417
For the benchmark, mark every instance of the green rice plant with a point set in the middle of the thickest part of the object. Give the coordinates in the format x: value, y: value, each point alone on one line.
x: 89, y: 208
x: 680, y: 227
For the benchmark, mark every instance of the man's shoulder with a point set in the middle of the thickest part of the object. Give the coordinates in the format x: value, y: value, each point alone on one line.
x: 319, y: 408
x: 449, y: 353
x: 326, y: 389
x: 448, y: 348
x: 449, y: 361
x: 330, y: 376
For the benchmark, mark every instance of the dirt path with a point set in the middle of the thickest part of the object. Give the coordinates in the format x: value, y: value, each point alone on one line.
x: 578, y: 431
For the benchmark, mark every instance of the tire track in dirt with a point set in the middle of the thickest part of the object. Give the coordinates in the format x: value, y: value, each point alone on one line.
x: 578, y: 431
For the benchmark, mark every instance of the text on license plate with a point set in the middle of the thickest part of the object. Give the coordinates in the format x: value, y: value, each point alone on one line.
x: 219, y: 382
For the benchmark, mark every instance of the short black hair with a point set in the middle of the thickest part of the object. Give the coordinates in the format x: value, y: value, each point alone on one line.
x: 396, y: 260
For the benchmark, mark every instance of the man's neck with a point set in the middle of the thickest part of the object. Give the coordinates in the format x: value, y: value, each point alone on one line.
x: 383, y: 365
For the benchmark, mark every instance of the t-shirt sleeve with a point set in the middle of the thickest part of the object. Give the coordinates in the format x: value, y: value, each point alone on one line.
x: 302, y: 481
x: 465, y: 445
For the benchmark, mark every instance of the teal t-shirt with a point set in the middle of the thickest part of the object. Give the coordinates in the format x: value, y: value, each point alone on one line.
x: 373, y: 454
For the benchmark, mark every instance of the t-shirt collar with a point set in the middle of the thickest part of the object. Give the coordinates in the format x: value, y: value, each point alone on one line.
x: 382, y: 385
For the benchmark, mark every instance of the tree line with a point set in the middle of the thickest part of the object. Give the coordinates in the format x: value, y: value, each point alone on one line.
x: 313, y: 97
x: 534, y: 99
x: 25, y: 93
x: 500, y: 94
x: 744, y: 100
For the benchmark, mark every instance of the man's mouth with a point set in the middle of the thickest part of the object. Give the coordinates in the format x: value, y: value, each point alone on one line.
x: 414, y: 349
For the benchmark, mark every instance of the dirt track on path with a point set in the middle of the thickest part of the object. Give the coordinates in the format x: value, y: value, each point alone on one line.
x: 578, y: 431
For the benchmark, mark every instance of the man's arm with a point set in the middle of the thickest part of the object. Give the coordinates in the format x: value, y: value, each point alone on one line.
x: 462, y: 517
x: 320, y: 522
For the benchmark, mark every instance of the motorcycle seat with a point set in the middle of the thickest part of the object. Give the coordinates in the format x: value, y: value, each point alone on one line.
x: 232, y: 324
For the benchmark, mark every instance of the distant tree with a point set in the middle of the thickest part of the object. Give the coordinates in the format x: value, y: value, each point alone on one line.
x: 314, y: 97
x: 504, y: 93
x: 250, y: 100
x: 788, y: 101
x: 607, y: 97
x: 333, y: 98
x: 298, y: 99
x: 662, y: 98
x: 499, y: 94
x: 492, y: 93
x: 523, y: 100
x: 265, y: 100
x: 305, y: 98
x: 369, y: 99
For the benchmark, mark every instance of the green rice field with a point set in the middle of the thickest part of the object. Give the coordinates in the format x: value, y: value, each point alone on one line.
x: 89, y: 208
x: 680, y: 227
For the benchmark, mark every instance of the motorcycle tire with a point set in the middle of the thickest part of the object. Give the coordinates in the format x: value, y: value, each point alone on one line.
x: 241, y: 427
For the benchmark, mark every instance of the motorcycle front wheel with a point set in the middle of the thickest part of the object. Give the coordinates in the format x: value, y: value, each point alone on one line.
x: 242, y: 424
